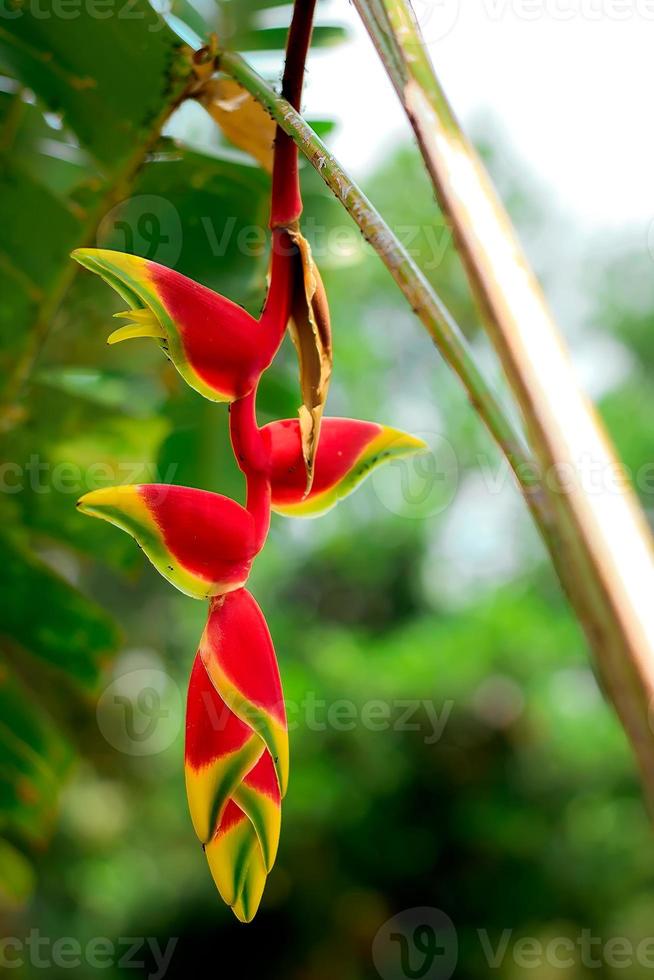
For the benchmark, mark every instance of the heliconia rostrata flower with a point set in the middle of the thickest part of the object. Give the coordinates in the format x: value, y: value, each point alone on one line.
x: 183, y: 317
x: 237, y: 754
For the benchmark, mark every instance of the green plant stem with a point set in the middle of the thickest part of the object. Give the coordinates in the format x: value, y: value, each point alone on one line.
x: 604, y: 533
x: 422, y: 298
x: 444, y: 331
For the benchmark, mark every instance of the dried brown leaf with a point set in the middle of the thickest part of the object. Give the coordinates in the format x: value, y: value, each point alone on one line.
x: 242, y: 119
x: 310, y: 331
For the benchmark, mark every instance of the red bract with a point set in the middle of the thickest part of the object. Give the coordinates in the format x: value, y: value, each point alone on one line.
x: 202, y: 542
x: 217, y: 347
x: 238, y: 654
x: 220, y: 751
x: 236, y: 749
x: 348, y: 451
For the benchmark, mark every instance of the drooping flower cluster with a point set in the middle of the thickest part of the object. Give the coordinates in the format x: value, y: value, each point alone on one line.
x: 237, y: 754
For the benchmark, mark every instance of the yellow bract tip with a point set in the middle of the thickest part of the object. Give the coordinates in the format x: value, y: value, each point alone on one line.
x: 143, y: 327
x: 105, y: 260
x: 136, y: 316
x: 399, y: 443
x: 97, y: 502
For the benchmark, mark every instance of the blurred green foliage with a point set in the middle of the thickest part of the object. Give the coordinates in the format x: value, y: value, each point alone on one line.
x: 450, y: 745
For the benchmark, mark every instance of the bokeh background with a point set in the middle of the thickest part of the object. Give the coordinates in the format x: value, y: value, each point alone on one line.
x: 451, y: 747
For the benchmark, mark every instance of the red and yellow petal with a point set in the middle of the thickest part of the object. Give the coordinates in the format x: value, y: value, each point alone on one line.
x: 217, y: 347
x: 202, y: 542
x: 236, y: 863
x: 238, y: 652
x: 220, y: 751
x: 236, y: 750
x: 259, y: 797
x: 348, y: 450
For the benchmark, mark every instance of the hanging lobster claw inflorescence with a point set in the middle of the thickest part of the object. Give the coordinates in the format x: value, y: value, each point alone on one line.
x: 237, y: 755
x: 217, y: 347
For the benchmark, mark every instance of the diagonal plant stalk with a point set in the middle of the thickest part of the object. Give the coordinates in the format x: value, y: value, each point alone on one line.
x: 432, y: 313
x: 622, y: 644
x: 441, y: 326
x: 605, y: 533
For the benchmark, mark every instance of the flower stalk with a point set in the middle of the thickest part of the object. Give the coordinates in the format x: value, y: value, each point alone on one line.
x: 286, y: 197
x: 237, y: 752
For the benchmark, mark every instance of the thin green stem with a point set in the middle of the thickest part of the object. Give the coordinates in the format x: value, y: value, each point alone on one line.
x: 421, y: 296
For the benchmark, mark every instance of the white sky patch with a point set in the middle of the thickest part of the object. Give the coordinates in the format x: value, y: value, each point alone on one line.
x: 570, y: 81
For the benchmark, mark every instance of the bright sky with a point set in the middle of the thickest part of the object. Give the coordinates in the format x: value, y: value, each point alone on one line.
x: 570, y: 83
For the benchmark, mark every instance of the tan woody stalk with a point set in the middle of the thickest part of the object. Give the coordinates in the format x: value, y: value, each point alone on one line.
x: 606, y: 539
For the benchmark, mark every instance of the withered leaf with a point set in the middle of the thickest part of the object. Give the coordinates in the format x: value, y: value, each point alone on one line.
x: 310, y: 331
x: 242, y: 119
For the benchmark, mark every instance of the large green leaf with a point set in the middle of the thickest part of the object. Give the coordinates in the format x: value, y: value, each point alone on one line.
x: 202, y: 214
x: 112, y: 82
x: 109, y: 77
x: 29, y: 264
x: 51, y: 620
x: 16, y: 876
x: 34, y: 758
